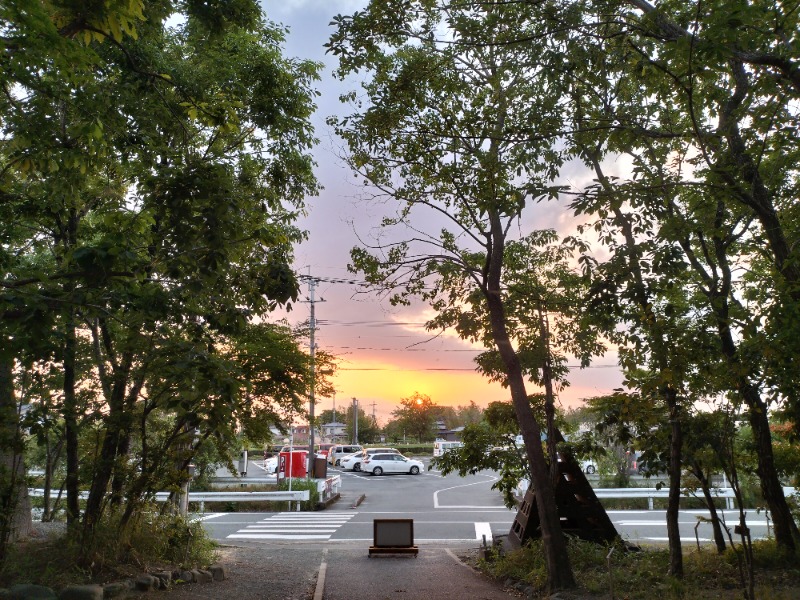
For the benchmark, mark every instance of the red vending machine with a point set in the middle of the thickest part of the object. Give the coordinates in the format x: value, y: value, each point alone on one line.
x: 292, y: 464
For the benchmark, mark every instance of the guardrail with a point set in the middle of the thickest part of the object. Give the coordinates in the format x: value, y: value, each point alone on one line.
x: 662, y: 492
x: 327, y: 488
x: 243, y: 481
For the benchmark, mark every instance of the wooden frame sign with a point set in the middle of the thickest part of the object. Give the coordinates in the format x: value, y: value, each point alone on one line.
x: 393, y: 536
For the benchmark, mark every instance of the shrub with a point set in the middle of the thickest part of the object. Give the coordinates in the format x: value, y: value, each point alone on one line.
x: 149, y: 541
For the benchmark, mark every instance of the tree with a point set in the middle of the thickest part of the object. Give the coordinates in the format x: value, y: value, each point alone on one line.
x: 469, y: 414
x: 462, y: 125
x: 368, y: 430
x: 417, y: 416
x: 150, y: 175
x: 15, y: 514
x: 394, y: 432
x: 490, y: 445
x: 703, y: 110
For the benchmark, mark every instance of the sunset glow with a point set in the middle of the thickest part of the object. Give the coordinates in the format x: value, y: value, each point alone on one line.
x: 386, y: 383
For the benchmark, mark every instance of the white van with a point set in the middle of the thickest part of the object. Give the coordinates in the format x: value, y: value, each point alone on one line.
x: 337, y: 452
x: 440, y: 447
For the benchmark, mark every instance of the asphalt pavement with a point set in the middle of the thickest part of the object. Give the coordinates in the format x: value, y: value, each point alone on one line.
x: 435, y: 573
x: 347, y: 572
x: 344, y: 570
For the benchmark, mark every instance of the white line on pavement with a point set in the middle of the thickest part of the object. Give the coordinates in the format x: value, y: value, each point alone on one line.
x: 483, y: 529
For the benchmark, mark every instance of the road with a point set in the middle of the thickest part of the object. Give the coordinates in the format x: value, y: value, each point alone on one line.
x: 445, y: 509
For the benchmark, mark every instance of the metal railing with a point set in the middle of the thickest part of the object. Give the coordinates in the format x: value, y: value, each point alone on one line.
x: 663, y: 492
x: 327, y: 489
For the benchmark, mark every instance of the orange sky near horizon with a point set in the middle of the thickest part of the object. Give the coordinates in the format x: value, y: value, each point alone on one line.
x: 385, y: 383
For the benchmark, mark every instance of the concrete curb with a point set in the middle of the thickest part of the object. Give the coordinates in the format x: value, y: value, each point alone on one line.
x: 328, y: 502
x: 320, y: 589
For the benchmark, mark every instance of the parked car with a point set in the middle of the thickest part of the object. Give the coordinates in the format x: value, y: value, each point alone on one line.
x: 340, y: 450
x: 378, y: 464
x: 368, y: 451
x: 442, y: 446
x: 294, y: 448
x: 589, y: 467
x: 351, y: 462
x: 324, y: 449
x: 271, y: 464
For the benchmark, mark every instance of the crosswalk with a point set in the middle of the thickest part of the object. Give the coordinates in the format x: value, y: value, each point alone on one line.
x: 294, y: 526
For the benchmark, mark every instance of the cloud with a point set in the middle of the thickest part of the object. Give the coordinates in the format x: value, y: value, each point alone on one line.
x: 386, y: 353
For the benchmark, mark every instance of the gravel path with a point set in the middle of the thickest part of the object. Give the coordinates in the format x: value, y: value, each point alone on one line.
x: 257, y: 572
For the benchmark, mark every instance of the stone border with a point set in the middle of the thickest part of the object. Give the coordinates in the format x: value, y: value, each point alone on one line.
x: 147, y: 582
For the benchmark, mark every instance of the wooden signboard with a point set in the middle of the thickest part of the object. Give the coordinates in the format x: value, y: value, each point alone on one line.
x: 393, y: 536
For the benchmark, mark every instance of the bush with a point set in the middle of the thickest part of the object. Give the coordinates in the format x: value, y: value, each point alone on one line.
x: 642, y: 574
x: 149, y: 542
x: 303, y: 484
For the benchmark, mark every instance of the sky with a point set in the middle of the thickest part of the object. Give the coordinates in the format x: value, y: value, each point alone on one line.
x: 384, y: 352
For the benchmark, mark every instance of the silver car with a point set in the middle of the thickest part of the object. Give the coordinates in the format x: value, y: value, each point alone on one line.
x: 378, y: 464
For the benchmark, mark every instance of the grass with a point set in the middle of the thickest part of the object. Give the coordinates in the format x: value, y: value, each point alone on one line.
x: 154, y: 542
x: 643, y: 574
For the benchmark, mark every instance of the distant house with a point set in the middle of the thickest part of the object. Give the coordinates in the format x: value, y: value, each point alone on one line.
x: 448, y: 435
x: 301, y: 434
x: 334, y: 432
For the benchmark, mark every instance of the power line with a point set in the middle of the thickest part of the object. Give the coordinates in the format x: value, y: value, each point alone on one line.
x: 393, y: 370
x: 371, y: 323
x: 334, y: 280
x: 401, y: 349
x: 400, y: 370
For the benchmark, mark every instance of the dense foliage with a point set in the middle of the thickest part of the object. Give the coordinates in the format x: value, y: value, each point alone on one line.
x: 154, y: 155
x: 668, y: 134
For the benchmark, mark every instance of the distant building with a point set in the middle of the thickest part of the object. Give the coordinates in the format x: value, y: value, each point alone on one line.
x: 334, y: 432
x: 301, y: 434
x: 448, y: 435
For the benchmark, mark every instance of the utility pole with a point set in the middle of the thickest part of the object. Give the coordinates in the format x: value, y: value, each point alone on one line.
x: 313, y: 325
x: 355, y: 420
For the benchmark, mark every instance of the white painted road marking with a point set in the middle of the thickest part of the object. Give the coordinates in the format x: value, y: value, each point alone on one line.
x: 294, y: 526
x: 483, y: 529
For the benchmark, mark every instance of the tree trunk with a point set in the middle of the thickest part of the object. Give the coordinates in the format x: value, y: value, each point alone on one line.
x: 705, y: 485
x: 15, y: 505
x: 786, y: 532
x: 787, y: 535
x: 549, y: 398
x: 70, y: 409
x: 52, y: 457
x: 559, y: 569
x: 112, y: 439
x: 674, y: 500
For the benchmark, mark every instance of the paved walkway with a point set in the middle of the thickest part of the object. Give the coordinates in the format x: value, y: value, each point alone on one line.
x: 435, y: 574
x: 341, y: 572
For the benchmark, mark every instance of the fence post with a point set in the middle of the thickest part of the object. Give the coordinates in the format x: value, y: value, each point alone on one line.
x: 650, y: 502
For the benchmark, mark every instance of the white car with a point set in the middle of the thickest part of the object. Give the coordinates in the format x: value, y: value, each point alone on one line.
x: 351, y: 462
x: 378, y: 464
x: 336, y: 453
x: 271, y: 464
